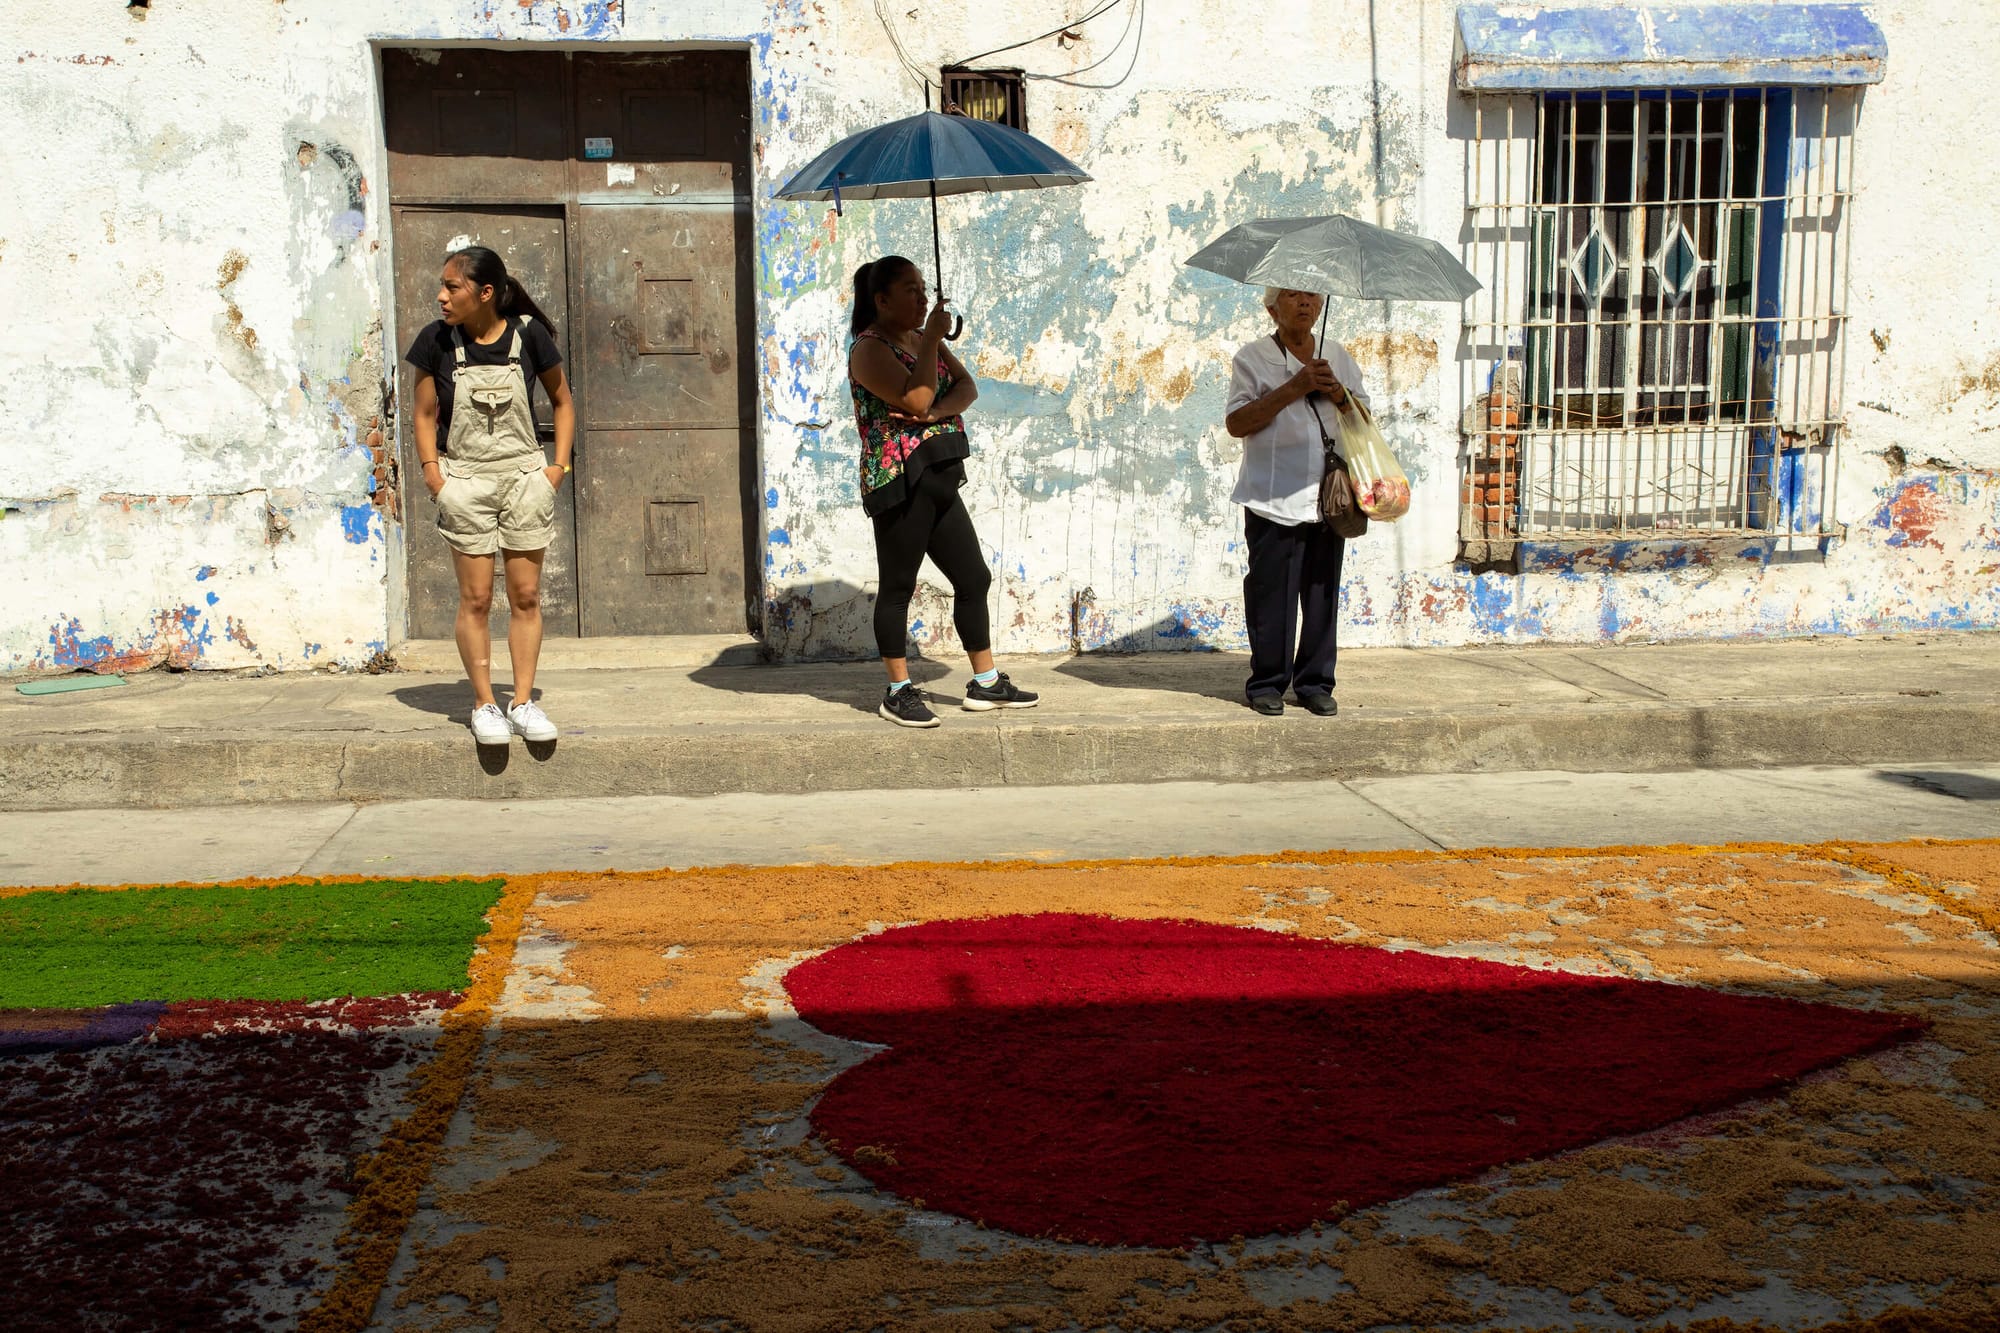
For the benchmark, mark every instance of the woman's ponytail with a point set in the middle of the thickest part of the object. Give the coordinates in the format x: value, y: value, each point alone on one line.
x: 518, y: 302
x: 863, y: 313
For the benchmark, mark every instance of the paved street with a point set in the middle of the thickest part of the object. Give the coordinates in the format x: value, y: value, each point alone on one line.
x: 1544, y: 809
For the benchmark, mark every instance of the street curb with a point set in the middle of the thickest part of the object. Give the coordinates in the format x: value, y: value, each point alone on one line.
x: 194, y: 769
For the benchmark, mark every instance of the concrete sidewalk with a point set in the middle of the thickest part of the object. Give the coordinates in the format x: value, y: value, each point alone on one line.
x: 706, y: 718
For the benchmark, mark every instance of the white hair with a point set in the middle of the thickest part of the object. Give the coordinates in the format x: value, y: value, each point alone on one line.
x: 1271, y: 295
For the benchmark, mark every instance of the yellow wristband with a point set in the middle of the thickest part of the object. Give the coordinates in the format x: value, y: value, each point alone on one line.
x: 564, y: 467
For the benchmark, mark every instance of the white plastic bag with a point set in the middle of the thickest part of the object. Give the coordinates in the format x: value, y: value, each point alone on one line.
x: 1380, y: 487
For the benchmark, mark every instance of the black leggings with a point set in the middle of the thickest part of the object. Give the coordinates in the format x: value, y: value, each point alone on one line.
x: 931, y: 520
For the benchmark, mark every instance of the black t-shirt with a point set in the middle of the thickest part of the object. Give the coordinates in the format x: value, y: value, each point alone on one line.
x: 433, y: 354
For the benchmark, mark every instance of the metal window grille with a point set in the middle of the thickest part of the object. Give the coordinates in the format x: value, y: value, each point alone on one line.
x: 987, y: 94
x: 1660, y: 347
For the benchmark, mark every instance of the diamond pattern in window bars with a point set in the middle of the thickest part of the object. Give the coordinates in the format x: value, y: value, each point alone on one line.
x: 1595, y: 265
x: 1677, y: 263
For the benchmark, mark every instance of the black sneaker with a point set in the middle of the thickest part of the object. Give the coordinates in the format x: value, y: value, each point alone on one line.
x: 1002, y: 693
x: 1320, y: 703
x: 906, y: 708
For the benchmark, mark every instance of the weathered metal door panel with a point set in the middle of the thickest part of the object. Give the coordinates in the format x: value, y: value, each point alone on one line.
x: 532, y: 242
x: 663, y: 532
x: 471, y: 124
x: 681, y: 120
x: 661, y: 501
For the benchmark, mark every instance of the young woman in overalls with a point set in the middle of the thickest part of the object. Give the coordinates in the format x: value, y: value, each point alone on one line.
x: 495, y: 491
x: 910, y: 394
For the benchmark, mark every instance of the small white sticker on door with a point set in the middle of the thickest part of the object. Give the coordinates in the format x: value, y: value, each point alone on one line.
x: 457, y: 243
x: 620, y: 173
x: 596, y: 148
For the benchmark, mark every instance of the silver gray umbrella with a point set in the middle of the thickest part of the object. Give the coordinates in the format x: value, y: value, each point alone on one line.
x: 1337, y: 256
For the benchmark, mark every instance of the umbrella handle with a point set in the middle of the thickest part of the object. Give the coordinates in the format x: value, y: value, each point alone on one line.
x: 957, y: 327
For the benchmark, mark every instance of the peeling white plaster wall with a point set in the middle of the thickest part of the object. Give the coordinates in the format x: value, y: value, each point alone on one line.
x: 185, y: 472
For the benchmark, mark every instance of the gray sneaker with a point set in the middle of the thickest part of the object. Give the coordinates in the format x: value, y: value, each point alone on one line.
x: 489, y: 726
x: 531, y: 722
x: 906, y: 708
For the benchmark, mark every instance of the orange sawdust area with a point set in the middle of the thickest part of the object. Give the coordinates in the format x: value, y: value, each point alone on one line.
x: 633, y: 1142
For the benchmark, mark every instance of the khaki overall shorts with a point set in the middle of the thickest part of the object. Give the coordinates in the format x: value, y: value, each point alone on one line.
x: 496, y: 495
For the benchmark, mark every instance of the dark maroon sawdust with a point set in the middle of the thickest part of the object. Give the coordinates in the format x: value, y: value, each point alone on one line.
x: 215, y: 1018
x: 147, y: 1185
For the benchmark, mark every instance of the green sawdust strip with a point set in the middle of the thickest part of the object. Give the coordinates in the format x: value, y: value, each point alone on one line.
x: 78, y: 948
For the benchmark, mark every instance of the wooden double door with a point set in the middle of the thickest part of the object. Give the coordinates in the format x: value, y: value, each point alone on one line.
x: 616, y: 187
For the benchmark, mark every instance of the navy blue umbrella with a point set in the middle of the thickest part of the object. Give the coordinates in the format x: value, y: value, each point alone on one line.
x: 927, y: 155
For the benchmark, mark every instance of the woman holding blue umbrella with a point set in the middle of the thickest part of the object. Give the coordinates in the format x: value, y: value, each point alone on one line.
x: 910, y: 394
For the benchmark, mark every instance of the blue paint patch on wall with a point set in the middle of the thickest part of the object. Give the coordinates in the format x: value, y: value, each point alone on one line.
x: 1190, y: 622
x: 213, y: 598
x: 69, y: 649
x: 771, y: 498
x: 1520, y: 47
x: 205, y: 573
x: 1609, y: 621
x: 779, y: 537
x: 998, y: 398
x: 1491, y: 599
x: 359, y: 522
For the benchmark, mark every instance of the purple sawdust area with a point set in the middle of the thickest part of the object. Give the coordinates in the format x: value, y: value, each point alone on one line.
x: 39, y: 1031
x: 198, y: 1177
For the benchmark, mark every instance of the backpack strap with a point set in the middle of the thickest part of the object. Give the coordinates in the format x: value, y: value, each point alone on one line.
x: 458, y: 345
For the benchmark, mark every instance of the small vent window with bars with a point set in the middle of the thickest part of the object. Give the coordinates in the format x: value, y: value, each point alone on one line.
x: 987, y: 94
x: 1659, y: 347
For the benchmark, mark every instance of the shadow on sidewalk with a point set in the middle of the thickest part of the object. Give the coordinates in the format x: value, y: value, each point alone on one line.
x: 1204, y: 673
x: 858, y: 684
x: 1943, y: 782
x: 451, y: 701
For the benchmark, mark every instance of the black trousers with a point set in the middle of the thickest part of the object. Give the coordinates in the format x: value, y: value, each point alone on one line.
x: 1293, y: 587
x: 932, y: 520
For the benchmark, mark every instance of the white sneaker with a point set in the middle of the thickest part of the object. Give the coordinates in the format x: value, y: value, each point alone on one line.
x: 529, y: 719
x: 489, y: 726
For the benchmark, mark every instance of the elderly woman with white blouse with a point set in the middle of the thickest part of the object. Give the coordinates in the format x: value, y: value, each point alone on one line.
x: 1282, y: 390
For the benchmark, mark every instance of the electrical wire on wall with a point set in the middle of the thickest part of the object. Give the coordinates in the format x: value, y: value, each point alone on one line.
x: 1136, y: 14
x: 1068, y: 28
x: 915, y: 70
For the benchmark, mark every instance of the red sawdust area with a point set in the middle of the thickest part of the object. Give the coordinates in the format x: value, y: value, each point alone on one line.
x: 651, y: 1138
x: 1160, y: 1082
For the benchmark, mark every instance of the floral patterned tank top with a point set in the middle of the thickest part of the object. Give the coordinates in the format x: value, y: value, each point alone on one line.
x: 894, y: 453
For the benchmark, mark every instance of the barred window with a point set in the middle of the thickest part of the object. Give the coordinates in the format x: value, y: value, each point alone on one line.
x: 987, y: 94
x: 1659, y: 350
